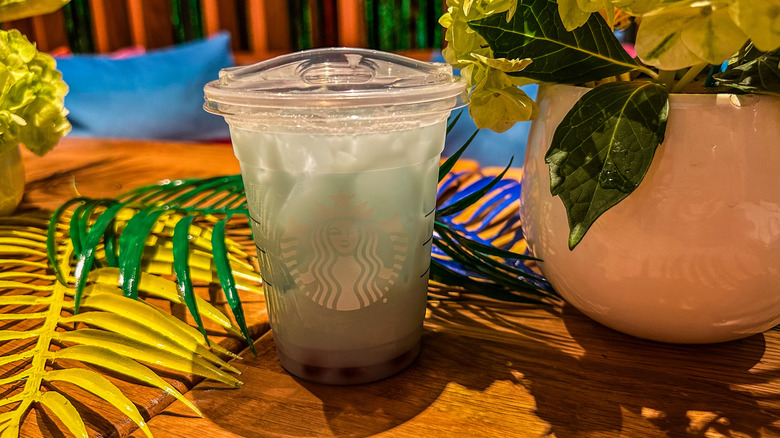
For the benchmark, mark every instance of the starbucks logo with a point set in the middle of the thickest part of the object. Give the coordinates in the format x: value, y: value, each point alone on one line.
x: 343, y: 258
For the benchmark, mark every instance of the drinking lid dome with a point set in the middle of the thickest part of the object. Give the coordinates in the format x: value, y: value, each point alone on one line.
x: 335, y: 79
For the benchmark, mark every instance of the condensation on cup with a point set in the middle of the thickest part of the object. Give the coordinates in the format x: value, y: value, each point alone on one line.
x: 339, y: 151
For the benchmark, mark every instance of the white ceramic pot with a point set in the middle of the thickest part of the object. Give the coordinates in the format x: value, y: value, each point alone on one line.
x: 11, y: 180
x: 693, y: 255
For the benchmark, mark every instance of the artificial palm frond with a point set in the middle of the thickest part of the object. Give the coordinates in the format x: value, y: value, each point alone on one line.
x: 48, y: 343
x: 106, y: 257
x: 478, y: 240
x: 154, y: 230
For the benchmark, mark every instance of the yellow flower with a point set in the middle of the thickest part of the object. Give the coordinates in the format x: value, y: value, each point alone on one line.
x: 500, y: 109
x: 496, y: 101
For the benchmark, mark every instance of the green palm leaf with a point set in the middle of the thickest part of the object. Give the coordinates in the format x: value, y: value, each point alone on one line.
x: 148, y: 241
x: 114, y: 332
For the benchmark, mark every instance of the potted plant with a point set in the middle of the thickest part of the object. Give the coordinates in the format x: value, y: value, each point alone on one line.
x: 32, y: 112
x: 650, y: 188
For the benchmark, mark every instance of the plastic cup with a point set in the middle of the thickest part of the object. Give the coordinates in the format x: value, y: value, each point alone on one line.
x: 339, y: 151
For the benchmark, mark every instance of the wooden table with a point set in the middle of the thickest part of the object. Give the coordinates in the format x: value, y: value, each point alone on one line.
x: 486, y: 368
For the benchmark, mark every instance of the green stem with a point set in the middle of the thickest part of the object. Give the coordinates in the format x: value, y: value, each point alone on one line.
x: 666, y: 77
x: 689, y: 76
x: 648, y: 72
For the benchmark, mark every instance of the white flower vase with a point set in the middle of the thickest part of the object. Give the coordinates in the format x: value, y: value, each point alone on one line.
x: 691, y: 256
x: 11, y: 180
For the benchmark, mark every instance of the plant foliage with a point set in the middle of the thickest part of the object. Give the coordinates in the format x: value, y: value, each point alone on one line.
x: 76, y: 284
x: 158, y: 220
x: 31, y: 96
x: 536, y: 32
x: 503, y: 44
x: 759, y: 74
x: 597, y: 160
x: 48, y: 343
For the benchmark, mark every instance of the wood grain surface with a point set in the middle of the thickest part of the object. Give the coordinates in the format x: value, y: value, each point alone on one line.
x: 486, y: 369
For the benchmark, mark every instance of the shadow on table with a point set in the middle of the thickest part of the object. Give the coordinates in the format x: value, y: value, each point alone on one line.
x: 602, y: 383
x: 595, y: 382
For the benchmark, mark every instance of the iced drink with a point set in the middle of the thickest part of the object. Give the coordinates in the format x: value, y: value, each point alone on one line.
x: 341, y: 188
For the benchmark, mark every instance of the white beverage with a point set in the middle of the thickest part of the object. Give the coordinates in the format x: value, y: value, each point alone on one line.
x: 339, y: 150
x: 343, y: 226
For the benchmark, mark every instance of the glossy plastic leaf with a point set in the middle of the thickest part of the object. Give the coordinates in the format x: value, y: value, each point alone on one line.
x: 87, y: 256
x: 64, y: 410
x: 101, y: 387
x: 131, y: 247
x: 446, y: 167
x: 107, y: 298
x: 470, y: 244
x: 588, y: 53
x: 51, y: 236
x: 603, y: 147
x: 461, y: 204
x: 34, y: 294
x: 117, y: 363
x: 181, y: 265
x: 158, y: 287
x: 148, y: 334
x: 227, y: 281
x: 147, y: 353
x: 760, y: 75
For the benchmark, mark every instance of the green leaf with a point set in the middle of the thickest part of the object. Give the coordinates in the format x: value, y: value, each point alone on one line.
x: 51, y: 237
x: 462, y: 204
x: 637, y: 7
x: 760, y: 75
x: 131, y: 248
x: 588, y: 53
x: 226, y: 279
x: 181, y: 265
x: 445, y: 168
x: 87, y: 255
x: 603, y: 147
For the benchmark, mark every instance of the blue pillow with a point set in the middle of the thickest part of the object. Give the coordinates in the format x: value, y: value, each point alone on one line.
x: 157, y: 95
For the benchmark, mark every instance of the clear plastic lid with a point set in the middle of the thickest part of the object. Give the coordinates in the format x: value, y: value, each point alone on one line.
x: 335, y: 83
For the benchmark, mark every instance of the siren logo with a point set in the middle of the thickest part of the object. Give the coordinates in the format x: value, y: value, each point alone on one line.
x: 343, y: 258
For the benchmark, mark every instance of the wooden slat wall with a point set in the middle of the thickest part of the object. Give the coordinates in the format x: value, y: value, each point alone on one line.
x: 150, y: 24
x: 49, y: 30
x: 146, y: 23
x: 352, y: 25
x: 110, y: 28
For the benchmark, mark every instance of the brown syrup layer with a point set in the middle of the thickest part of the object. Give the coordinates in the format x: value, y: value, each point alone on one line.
x: 349, y: 375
